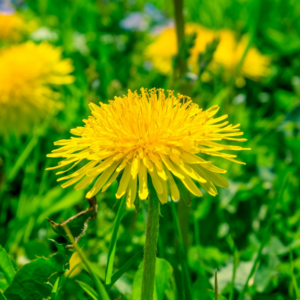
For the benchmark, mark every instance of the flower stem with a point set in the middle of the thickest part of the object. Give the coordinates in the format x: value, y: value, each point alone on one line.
x: 179, y: 21
x: 150, y: 248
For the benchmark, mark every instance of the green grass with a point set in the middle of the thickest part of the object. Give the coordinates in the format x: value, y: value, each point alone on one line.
x: 249, y: 232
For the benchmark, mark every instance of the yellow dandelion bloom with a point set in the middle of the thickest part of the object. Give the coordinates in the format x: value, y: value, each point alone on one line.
x: 228, y: 53
x: 11, y: 26
x: 27, y: 72
x: 144, y: 137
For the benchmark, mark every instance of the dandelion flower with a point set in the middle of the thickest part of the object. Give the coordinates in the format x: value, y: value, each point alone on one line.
x: 148, y: 136
x: 228, y: 53
x: 27, y: 72
x: 11, y: 26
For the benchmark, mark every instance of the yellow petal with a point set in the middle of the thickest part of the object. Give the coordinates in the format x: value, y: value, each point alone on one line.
x: 84, y: 183
x: 173, y: 187
x: 171, y: 167
x: 135, y: 167
x: 156, y: 182
x: 110, y: 181
x: 191, y: 186
x: 216, y: 178
x: 124, y: 182
x: 148, y: 163
x: 72, y: 181
x: 61, y: 172
x: 163, y: 197
x: 191, y: 158
x: 103, y: 166
x: 131, y: 193
x: 81, y: 171
x: 143, y: 186
x: 176, y: 159
x: 102, y: 179
x: 192, y: 173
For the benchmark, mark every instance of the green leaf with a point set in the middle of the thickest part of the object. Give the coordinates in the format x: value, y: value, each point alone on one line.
x: 88, y: 289
x: 182, y: 255
x: 54, y: 291
x: 211, y: 295
x: 36, y: 279
x: 163, y: 273
x: 6, y: 266
x: 2, y: 297
x: 113, y: 243
x: 293, y: 115
x: 102, y: 293
x: 124, y: 268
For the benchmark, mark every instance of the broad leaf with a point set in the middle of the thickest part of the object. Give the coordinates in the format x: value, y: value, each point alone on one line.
x: 163, y: 273
x: 36, y: 279
x: 6, y: 266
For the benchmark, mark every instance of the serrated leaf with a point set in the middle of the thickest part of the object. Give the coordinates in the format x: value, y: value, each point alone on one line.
x: 36, y: 279
x: 6, y: 266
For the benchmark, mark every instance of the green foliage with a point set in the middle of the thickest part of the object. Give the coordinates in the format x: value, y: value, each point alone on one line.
x: 6, y: 266
x: 249, y: 232
x: 113, y: 243
x: 163, y: 274
x: 35, y: 280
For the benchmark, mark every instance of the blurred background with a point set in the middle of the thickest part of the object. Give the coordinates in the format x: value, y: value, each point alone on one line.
x: 243, y: 55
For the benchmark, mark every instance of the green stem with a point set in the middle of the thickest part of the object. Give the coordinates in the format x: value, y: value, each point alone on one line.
x: 150, y: 248
x: 179, y: 21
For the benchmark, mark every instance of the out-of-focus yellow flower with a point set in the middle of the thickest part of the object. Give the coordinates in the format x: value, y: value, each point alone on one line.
x: 27, y: 72
x: 148, y: 134
x: 228, y: 54
x: 10, y: 26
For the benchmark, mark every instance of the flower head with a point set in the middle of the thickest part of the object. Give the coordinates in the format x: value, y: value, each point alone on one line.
x: 149, y: 134
x: 27, y: 72
x: 13, y: 26
x: 228, y: 53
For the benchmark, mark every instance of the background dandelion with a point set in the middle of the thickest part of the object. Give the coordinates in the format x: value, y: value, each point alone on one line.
x: 228, y: 53
x: 27, y: 72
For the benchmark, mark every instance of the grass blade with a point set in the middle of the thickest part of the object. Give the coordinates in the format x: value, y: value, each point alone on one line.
x: 54, y: 292
x: 88, y: 289
x: 113, y: 243
x: 2, y: 297
x: 124, y: 268
x: 98, y: 284
x: 294, y: 279
x: 182, y: 255
x: 266, y: 236
x: 216, y: 285
x: 28, y: 148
